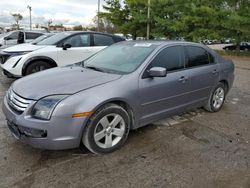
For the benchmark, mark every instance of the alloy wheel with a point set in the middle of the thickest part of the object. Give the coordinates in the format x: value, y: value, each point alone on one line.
x: 109, y: 130
x: 218, y: 98
x: 38, y: 68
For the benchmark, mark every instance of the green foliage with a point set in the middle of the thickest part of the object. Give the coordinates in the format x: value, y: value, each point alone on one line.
x: 193, y: 20
x: 105, y: 24
x: 78, y: 28
x: 17, y: 17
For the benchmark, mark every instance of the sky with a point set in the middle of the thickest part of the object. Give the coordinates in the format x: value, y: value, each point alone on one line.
x: 66, y: 12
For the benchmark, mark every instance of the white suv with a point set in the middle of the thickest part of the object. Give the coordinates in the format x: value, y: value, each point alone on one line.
x: 58, y: 50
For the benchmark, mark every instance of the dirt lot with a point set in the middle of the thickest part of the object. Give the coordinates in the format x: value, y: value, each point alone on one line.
x: 197, y: 149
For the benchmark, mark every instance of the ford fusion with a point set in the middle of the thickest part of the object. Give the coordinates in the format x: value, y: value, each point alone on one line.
x: 125, y: 86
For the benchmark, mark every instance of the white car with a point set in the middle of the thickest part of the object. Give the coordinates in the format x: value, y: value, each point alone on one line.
x: 17, y: 37
x: 39, y: 39
x: 30, y: 45
x: 58, y: 50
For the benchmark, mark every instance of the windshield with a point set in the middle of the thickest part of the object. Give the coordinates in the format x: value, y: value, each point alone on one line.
x: 3, y: 35
x: 39, y: 39
x: 54, y: 39
x: 121, y: 58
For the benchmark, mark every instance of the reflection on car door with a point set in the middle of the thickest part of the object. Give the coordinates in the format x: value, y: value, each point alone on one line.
x: 101, y: 41
x: 164, y: 94
x: 80, y: 49
x: 204, y: 72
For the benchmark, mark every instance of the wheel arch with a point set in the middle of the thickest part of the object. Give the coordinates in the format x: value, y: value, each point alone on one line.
x: 38, y: 58
x: 123, y: 103
x: 226, y: 84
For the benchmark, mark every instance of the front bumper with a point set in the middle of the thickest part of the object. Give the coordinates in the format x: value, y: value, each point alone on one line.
x: 13, y: 66
x: 59, y: 132
x: 10, y: 75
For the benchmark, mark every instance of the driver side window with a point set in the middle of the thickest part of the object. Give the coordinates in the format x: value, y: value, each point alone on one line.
x: 170, y: 58
x: 13, y: 36
x: 81, y: 40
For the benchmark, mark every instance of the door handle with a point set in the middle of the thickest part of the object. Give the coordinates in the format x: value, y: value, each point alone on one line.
x: 215, y: 71
x: 183, y: 79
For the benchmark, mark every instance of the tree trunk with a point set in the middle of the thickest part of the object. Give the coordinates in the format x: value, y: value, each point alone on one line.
x: 238, y: 41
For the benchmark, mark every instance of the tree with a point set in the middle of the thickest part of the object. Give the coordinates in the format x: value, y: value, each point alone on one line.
x: 194, y: 20
x: 78, y: 28
x: 129, y: 18
x: 17, y: 17
x: 137, y: 18
x: 49, y: 22
x: 237, y: 22
x: 105, y: 25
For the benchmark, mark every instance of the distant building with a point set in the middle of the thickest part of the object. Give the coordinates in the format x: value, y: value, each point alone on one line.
x: 57, y: 28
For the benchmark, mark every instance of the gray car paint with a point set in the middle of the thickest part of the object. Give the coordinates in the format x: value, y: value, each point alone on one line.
x: 149, y: 99
x: 65, y: 80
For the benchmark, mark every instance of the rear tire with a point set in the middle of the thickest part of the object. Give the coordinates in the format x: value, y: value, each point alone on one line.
x: 217, y: 98
x: 37, y: 66
x: 107, y: 130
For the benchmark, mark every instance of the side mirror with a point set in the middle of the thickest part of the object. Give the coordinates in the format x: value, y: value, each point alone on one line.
x: 66, y: 46
x: 157, y: 72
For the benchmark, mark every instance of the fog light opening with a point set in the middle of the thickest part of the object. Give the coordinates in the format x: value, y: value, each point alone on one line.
x: 34, y: 133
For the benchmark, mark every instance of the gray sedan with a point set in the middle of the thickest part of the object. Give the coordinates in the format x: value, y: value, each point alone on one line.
x: 125, y: 86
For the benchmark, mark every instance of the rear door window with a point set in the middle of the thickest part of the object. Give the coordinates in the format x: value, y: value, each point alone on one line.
x: 31, y: 36
x: 197, y: 56
x: 80, y: 40
x: 103, y: 40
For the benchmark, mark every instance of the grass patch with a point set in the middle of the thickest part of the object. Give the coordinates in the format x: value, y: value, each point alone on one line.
x: 233, y: 53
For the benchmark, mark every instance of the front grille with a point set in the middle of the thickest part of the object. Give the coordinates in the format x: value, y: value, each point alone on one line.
x: 3, y: 58
x: 19, y: 131
x: 17, y: 102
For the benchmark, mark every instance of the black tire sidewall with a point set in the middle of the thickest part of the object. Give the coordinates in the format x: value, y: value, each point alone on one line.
x: 90, y: 129
x: 36, y: 63
x: 220, y: 85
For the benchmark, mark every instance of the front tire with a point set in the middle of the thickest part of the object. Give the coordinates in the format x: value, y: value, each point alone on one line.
x: 37, y: 66
x: 217, y: 98
x: 107, y: 129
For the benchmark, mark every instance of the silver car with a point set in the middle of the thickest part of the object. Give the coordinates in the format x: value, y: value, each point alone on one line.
x: 125, y: 86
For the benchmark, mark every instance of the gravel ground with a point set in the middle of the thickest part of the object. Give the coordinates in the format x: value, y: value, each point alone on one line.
x: 196, y: 149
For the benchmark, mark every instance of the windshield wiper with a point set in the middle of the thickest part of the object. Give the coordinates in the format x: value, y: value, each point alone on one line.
x: 94, y: 68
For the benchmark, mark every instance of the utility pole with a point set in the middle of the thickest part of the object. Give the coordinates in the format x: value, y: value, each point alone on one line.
x: 148, y: 24
x: 98, y: 16
x: 29, y: 7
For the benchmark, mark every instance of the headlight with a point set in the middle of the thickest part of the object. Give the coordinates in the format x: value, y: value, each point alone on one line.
x: 44, y: 107
x: 20, y: 53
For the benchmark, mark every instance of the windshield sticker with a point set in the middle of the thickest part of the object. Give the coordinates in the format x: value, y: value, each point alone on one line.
x: 142, y: 45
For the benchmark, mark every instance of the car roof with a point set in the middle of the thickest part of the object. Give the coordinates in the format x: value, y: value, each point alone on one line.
x: 49, y: 34
x: 161, y: 42
x: 25, y: 31
x: 95, y: 32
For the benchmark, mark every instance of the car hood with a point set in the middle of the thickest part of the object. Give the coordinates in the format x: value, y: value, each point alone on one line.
x: 64, y: 80
x: 23, y: 48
